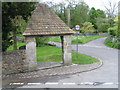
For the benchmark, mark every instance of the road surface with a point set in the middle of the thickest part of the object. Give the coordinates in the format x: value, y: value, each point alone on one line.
x: 104, y: 77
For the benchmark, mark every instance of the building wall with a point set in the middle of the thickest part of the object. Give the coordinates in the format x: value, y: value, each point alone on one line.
x: 14, y: 62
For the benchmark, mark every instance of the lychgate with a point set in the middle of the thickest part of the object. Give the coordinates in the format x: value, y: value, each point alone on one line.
x: 44, y: 22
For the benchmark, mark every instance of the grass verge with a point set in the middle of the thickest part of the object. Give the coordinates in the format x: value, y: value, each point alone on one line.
x: 111, y: 44
x: 81, y: 39
x: 19, y: 44
x: 54, y: 54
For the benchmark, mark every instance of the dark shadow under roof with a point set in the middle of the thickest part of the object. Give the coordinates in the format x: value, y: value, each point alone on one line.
x: 44, y: 22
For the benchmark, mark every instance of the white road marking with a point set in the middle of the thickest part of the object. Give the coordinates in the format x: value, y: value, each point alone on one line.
x: 34, y: 83
x: 87, y: 83
x: 68, y: 83
x: 51, y: 83
x: 110, y: 83
x: 16, y: 83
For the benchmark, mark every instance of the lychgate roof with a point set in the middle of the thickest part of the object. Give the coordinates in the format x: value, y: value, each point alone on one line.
x: 44, y: 22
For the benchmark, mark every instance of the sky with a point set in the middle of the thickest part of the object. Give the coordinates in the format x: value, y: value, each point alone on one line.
x: 98, y: 4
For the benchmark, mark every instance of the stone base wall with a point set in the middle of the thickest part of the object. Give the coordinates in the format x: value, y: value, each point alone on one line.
x: 14, y: 62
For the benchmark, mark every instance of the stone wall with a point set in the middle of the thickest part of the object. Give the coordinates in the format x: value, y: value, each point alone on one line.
x: 14, y: 62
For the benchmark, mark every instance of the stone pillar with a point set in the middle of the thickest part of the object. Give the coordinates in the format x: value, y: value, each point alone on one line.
x: 66, y: 50
x: 31, y: 53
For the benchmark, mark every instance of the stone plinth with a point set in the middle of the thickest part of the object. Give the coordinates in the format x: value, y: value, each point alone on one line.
x: 66, y: 50
x: 31, y: 53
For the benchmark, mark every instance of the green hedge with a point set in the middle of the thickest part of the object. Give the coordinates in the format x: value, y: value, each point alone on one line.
x: 113, y: 31
x: 40, y: 41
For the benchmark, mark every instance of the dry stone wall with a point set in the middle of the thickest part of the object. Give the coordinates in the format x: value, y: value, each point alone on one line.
x: 14, y: 62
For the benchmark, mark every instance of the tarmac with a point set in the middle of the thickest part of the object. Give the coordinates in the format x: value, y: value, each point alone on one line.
x: 46, y: 69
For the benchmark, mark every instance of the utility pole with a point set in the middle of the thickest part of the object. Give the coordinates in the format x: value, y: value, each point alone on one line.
x: 68, y: 16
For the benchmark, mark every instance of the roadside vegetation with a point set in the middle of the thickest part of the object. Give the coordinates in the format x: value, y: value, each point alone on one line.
x: 81, y: 39
x: 48, y: 53
x: 54, y: 54
x: 19, y: 44
x: 111, y: 43
x: 113, y: 35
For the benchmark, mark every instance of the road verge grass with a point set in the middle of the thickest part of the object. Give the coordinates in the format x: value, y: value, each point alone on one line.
x: 54, y: 54
x: 48, y: 53
x: 81, y: 39
x: 111, y: 44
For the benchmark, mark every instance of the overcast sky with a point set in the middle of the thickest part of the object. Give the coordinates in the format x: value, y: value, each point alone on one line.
x: 98, y: 4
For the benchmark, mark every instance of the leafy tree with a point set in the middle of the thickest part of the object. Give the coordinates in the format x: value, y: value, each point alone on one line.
x: 87, y: 27
x: 40, y: 41
x: 100, y: 14
x: 114, y: 29
x: 79, y: 14
x: 104, y: 23
x: 92, y: 17
x: 78, y: 11
x: 19, y: 25
x: 95, y: 15
x: 10, y: 10
x: 103, y: 27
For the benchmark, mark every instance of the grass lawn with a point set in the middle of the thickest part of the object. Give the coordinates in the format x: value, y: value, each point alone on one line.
x: 110, y: 43
x: 81, y: 39
x: 18, y: 45
x: 54, y: 54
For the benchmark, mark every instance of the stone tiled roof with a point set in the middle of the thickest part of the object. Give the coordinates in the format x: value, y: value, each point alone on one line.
x: 44, y: 22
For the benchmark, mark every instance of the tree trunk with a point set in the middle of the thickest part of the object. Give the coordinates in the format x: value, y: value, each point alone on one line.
x: 14, y: 40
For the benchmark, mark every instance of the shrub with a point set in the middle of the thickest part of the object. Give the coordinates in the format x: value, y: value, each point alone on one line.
x: 82, y: 31
x: 87, y: 27
x: 103, y: 27
x: 41, y: 41
x: 113, y: 31
x: 114, y: 44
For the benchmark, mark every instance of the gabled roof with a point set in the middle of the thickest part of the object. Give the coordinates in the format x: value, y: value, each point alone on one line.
x: 44, y: 22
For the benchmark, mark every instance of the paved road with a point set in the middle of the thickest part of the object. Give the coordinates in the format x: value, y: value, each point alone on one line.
x: 104, y: 77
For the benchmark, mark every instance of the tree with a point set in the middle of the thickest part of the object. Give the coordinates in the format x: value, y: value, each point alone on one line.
x: 17, y: 26
x: 79, y: 14
x: 101, y: 14
x: 95, y: 15
x: 103, y: 27
x: 111, y: 8
x: 114, y: 29
x: 92, y: 17
x: 9, y: 12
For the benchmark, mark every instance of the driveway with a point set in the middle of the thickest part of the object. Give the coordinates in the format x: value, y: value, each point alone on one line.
x: 103, y: 77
